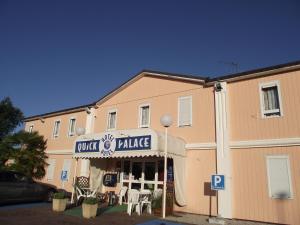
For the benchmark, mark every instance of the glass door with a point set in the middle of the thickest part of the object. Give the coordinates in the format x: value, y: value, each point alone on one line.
x: 125, y: 173
x: 150, y: 171
x: 136, y: 177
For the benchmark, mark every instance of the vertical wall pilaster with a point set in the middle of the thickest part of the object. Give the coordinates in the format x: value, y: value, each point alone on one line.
x: 89, y: 128
x: 223, y: 151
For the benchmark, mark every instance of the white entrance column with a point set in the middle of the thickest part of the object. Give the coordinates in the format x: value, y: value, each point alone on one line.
x: 223, y: 151
x: 89, y: 128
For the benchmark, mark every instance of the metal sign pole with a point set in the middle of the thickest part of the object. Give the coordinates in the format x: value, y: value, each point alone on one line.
x: 74, y: 179
x: 165, y: 173
x: 217, y: 184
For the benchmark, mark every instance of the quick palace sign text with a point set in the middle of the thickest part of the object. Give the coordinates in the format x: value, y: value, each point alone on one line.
x: 108, y: 144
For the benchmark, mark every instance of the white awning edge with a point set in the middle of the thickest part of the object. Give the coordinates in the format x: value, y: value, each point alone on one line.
x: 176, y: 146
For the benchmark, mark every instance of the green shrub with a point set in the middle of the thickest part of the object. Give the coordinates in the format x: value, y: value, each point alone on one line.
x: 157, y: 203
x: 90, y: 201
x: 59, y: 195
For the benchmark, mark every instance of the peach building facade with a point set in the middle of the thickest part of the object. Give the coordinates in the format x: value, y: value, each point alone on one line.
x: 244, y: 126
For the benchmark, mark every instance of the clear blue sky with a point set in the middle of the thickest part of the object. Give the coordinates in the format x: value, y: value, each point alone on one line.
x: 60, y: 54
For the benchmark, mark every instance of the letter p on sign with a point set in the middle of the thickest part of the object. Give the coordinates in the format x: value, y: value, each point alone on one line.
x: 217, y: 182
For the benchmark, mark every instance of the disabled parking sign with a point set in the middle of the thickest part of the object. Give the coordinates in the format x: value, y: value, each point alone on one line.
x: 217, y: 182
x: 64, y: 175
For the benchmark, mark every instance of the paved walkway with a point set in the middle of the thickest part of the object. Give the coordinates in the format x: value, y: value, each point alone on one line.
x: 41, y: 213
x: 203, y: 220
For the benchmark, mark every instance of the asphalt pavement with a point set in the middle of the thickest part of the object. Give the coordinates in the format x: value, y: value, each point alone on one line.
x: 24, y: 206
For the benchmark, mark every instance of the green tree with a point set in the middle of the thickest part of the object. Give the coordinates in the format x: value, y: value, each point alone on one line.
x: 10, y: 117
x: 25, y: 150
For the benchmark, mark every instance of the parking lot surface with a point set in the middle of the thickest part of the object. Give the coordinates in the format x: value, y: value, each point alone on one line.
x: 42, y: 214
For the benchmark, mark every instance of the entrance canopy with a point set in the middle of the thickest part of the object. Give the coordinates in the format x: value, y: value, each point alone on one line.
x: 127, y: 143
x: 134, y: 143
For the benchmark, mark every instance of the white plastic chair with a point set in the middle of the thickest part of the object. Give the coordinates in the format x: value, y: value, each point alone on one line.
x: 93, y: 193
x: 122, y: 194
x: 146, y: 199
x: 80, y: 183
x: 79, y: 194
x: 157, y: 193
x: 133, y: 201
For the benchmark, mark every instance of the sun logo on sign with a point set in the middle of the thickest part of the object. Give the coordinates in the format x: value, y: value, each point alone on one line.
x: 107, y: 145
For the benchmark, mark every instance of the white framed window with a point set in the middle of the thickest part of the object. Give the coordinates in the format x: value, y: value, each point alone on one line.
x: 67, y: 167
x: 142, y: 174
x: 144, y: 115
x: 112, y: 120
x: 72, y: 127
x: 270, y: 99
x: 56, y: 128
x: 51, y: 169
x: 279, y: 176
x: 30, y: 129
x: 185, y: 111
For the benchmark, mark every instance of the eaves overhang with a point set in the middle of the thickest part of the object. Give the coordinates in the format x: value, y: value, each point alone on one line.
x: 59, y: 112
x: 251, y: 74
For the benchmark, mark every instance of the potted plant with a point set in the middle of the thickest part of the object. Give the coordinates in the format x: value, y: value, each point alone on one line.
x: 59, y: 202
x: 89, y: 207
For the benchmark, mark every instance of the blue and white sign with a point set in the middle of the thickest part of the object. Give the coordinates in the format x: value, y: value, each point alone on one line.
x: 134, y: 143
x: 87, y: 146
x: 64, y: 175
x: 217, y: 182
x: 108, y: 144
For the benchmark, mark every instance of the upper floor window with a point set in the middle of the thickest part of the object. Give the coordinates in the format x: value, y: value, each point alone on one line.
x: 270, y: 99
x: 112, y: 120
x: 56, y: 128
x: 144, y: 116
x: 30, y: 128
x: 185, y: 111
x: 72, y: 127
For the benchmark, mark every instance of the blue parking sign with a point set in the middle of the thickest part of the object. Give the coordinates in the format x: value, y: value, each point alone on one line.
x: 217, y: 182
x: 64, y: 175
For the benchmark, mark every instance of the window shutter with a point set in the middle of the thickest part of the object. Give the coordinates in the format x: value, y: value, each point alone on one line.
x: 51, y: 169
x: 72, y: 127
x: 185, y: 113
x: 279, y: 177
x: 30, y: 129
x: 112, y: 120
x: 145, y: 116
x: 56, y: 128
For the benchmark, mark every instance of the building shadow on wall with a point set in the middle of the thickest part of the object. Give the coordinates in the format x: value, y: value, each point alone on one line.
x: 209, y: 192
x: 281, y: 198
